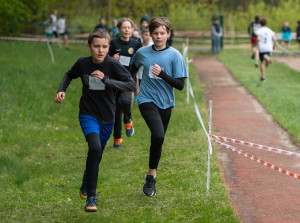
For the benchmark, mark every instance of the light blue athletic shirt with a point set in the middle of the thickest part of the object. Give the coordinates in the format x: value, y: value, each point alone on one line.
x: 154, y: 89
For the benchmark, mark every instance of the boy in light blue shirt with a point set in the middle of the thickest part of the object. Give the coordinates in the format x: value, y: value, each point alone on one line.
x: 164, y: 70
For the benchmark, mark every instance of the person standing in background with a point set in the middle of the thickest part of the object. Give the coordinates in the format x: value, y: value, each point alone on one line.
x: 216, y: 34
x: 101, y: 25
x: 298, y: 33
x: 286, y: 35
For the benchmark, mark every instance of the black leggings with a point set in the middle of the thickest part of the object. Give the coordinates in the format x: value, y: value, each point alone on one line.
x: 157, y: 120
x: 123, y: 105
x: 92, y: 162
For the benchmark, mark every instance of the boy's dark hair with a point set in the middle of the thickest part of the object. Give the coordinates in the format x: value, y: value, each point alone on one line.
x: 158, y: 22
x: 298, y: 22
x: 121, y: 21
x: 263, y: 22
x: 257, y: 18
x: 62, y: 15
x: 99, y: 33
x: 145, y: 30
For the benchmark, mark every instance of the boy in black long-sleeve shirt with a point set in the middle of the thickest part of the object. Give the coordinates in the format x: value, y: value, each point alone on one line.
x: 101, y: 76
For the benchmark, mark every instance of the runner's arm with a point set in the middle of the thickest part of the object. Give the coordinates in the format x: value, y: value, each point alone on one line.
x: 177, y: 83
x: 124, y: 85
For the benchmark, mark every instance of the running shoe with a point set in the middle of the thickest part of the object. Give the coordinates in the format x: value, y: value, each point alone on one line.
x: 256, y: 63
x: 83, y: 188
x: 262, y: 79
x: 129, y: 129
x: 91, y: 204
x: 252, y: 56
x: 149, y: 186
x: 117, y: 143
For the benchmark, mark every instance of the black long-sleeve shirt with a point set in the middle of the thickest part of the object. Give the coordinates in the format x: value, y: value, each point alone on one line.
x: 126, y: 50
x: 99, y: 103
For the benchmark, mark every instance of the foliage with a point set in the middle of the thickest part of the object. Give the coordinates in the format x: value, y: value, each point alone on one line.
x: 23, y: 15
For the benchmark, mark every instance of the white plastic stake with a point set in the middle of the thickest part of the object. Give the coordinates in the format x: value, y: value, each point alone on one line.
x: 51, y: 52
x: 208, y: 150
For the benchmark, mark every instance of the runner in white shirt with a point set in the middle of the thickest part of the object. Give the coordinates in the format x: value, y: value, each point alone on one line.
x: 266, y: 43
x: 62, y: 31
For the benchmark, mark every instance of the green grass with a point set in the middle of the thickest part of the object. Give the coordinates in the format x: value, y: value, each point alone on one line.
x: 279, y: 95
x: 43, y: 152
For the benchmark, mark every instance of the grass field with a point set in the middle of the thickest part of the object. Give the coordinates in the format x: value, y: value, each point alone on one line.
x: 43, y: 152
x: 279, y: 95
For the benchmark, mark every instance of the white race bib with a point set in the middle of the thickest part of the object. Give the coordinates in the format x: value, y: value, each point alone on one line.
x: 125, y: 61
x: 95, y: 83
x: 153, y: 76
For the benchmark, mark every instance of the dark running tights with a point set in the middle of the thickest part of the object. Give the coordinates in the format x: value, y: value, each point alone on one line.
x: 92, y: 162
x: 157, y: 120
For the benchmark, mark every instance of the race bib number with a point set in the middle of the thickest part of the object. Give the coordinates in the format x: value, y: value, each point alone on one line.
x: 153, y: 76
x: 95, y: 83
x: 125, y: 61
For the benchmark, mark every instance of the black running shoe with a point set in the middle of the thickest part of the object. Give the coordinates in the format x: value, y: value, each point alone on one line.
x: 83, y: 188
x: 149, y: 186
x: 91, y: 204
x: 252, y: 56
x: 262, y: 79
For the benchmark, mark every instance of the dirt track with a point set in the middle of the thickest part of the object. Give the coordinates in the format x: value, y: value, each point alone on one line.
x: 292, y: 62
x: 259, y: 193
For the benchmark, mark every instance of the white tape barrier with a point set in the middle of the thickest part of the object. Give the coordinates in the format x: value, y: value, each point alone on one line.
x: 252, y: 157
x: 199, y: 116
x: 257, y: 146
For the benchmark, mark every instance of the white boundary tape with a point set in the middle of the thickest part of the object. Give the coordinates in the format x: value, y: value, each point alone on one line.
x: 252, y: 157
x: 257, y: 146
x: 191, y: 92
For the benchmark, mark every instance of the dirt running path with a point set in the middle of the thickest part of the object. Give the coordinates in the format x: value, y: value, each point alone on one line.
x: 292, y: 62
x: 259, y: 193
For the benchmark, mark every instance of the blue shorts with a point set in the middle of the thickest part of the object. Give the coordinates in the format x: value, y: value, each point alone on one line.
x: 89, y: 124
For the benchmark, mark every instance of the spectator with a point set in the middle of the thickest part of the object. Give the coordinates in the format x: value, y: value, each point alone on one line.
x: 216, y: 33
x: 286, y: 35
x: 101, y: 25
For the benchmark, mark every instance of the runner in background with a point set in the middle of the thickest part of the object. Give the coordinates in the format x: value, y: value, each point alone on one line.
x: 54, y: 20
x: 62, y: 30
x: 147, y: 41
x: 164, y: 70
x: 123, y: 49
x: 49, y: 24
x: 266, y: 43
x: 286, y: 35
x: 100, y: 75
x: 252, y: 28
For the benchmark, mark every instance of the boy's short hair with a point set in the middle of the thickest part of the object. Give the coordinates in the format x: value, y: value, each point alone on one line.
x: 98, y: 33
x: 257, y: 18
x: 158, y: 22
x: 145, y: 30
x: 121, y: 21
x: 263, y: 22
x: 298, y: 22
